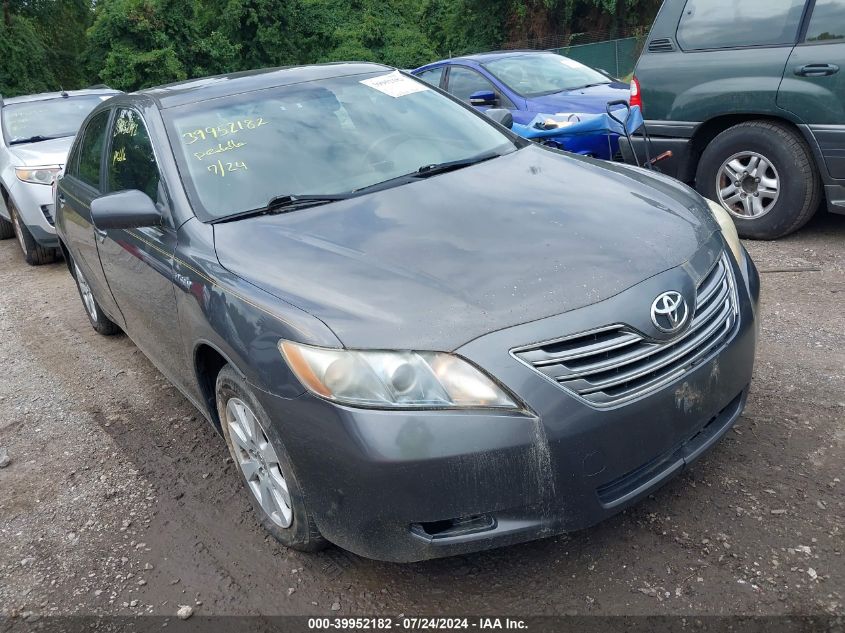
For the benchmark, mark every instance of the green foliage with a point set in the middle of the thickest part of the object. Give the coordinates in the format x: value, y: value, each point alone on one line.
x: 24, y: 68
x: 131, y: 44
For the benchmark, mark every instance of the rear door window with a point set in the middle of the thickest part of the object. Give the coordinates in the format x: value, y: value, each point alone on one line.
x: 432, y: 76
x: 91, y: 151
x: 132, y: 162
x: 712, y: 24
x: 827, y: 23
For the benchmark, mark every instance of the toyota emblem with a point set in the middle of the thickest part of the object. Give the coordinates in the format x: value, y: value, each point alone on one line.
x: 669, y: 311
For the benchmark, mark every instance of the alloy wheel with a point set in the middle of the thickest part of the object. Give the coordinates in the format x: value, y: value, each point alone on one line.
x: 259, y: 462
x: 85, y: 292
x: 747, y: 185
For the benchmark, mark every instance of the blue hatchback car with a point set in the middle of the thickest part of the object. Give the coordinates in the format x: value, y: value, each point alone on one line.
x: 529, y: 83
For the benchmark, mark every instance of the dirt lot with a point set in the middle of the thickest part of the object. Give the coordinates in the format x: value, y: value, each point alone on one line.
x: 120, y: 499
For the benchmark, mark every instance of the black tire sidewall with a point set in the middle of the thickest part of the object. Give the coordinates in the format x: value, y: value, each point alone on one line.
x: 301, y: 534
x: 795, y: 183
x: 6, y: 229
x: 35, y: 254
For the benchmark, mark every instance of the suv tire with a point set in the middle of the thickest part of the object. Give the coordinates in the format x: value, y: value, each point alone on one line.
x: 33, y: 252
x: 256, y: 448
x: 6, y: 229
x: 791, y: 174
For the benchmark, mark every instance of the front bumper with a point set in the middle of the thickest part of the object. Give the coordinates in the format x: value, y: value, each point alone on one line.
x: 35, y: 206
x: 405, y: 486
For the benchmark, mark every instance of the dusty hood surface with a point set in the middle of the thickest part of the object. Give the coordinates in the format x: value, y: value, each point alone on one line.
x: 436, y: 263
x: 52, y: 152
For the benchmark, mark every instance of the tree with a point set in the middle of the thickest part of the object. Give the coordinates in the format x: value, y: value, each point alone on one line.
x: 25, y: 67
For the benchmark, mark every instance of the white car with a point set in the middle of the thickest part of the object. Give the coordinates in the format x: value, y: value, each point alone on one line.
x: 37, y: 131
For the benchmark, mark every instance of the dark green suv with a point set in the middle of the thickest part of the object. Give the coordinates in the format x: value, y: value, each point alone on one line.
x: 750, y: 98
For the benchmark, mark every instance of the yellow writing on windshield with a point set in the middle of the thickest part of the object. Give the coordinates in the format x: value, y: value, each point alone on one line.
x: 119, y: 156
x: 219, y: 149
x: 224, y: 129
x: 221, y: 169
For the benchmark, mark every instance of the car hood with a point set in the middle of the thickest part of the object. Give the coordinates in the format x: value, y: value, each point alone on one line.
x: 436, y: 263
x: 591, y: 100
x: 52, y: 152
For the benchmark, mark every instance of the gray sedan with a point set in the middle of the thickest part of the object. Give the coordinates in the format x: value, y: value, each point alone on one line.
x: 419, y: 334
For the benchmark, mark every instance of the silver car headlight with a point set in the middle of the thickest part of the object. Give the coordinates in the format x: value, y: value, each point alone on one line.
x: 393, y: 379
x: 38, y: 175
x: 728, y: 227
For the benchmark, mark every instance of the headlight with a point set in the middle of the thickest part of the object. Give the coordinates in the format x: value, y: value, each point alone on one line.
x: 392, y: 379
x: 726, y: 223
x: 38, y: 175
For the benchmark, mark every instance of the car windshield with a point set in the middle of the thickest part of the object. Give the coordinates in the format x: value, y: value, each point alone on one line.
x: 31, y: 121
x: 544, y: 73
x: 324, y: 137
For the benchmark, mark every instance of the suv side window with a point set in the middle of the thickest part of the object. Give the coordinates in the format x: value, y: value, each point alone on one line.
x: 708, y: 24
x: 828, y: 22
x: 91, y: 150
x: 432, y: 76
x: 132, y: 163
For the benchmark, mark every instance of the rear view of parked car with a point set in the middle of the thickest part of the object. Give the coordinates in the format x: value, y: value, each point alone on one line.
x: 37, y: 131
x: 419, y: 334
x: 750, y: 97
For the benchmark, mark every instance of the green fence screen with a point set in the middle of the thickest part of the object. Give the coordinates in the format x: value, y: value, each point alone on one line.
x: 617, y: 57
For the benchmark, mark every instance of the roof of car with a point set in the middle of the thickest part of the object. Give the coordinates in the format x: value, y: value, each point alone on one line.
x: 194, y: 90
x: 45, y: 96
x: 490, y: 56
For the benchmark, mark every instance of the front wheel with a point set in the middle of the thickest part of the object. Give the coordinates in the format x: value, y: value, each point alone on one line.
x: 264, y: 465
x: 33, y: 252
x: 764, y: 175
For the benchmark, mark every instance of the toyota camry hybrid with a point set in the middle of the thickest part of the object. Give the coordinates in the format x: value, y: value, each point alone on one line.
x: 419, y: 334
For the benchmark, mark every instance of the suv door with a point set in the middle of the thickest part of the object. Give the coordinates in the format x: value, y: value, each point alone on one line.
x: 138, y: 262
x: 81, y: 183
x: 813, y: 86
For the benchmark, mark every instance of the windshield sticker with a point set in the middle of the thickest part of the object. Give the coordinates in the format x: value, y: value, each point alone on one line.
x: 224, y: 129
x: 395, y: 84
x: 219, y: 149
x: 221, y: 169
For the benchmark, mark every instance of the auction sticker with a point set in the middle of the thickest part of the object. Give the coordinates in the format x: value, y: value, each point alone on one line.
x: 395, y: 84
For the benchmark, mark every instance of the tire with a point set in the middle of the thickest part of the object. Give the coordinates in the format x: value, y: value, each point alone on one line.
x: 779, y: 187
x: 99, y: 321
x: 6, y: 229
x: 33, y: 252
x: 268, y: 463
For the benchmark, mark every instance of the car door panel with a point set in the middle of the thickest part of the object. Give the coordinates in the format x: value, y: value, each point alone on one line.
x: 813, y: 86
x: 79, y: 186
x: 138, y: 262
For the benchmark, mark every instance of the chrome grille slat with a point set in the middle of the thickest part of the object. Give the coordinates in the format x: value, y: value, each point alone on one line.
x: 614, y: 364
x: 590, y: 350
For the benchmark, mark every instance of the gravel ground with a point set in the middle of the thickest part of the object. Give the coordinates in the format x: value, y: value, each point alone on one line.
x: 120, y: 499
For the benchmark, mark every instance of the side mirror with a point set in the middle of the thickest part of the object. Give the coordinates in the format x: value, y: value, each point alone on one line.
x: 124, y: 210
x: 483, y: 98
x: 501, y: 116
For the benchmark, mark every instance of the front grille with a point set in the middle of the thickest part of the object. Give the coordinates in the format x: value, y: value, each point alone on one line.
x: 615, y: 364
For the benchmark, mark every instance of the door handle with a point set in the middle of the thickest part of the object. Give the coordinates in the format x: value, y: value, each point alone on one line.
x: 101, y: 235
x: 60, y: 198
x: 816, y: 70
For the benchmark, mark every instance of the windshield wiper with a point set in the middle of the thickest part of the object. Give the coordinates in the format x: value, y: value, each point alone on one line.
x: 32, y: 139
x: 283, y: 204
x: 439, y: 168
